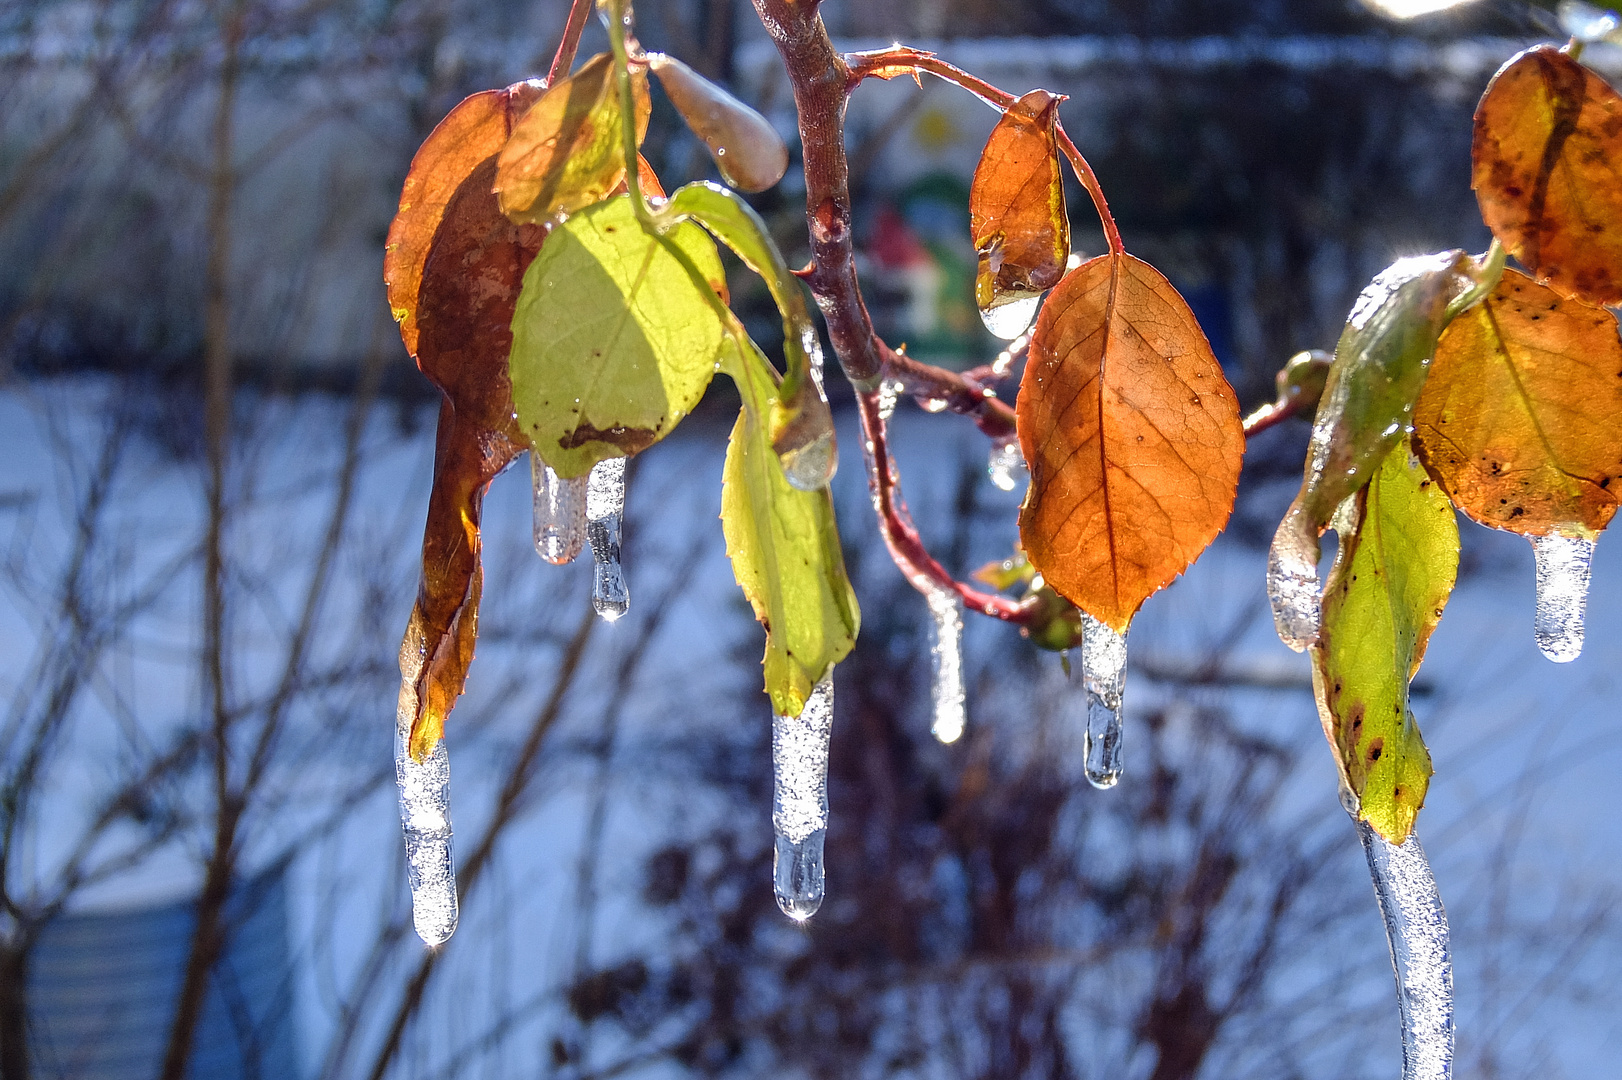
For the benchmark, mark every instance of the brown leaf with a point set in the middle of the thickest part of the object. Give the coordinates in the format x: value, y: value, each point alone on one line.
x: 473, y: 131
x: 565, y: 153
x: 469, y: 275
x: 1548, y: 172
x: 1132, y: 435
x: 1016, y: 205
x: 1518, y: 419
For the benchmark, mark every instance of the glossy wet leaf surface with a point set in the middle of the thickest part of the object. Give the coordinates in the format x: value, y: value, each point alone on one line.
x: 458, y: 326
x: 1392, y: 577
x: 1017, y: 214
x: 1521, y: 418
x: 784, y: 547
x: 1132, y: 435
x: 1548, y: 172
x: 565, y: 153
x: 613, y: 341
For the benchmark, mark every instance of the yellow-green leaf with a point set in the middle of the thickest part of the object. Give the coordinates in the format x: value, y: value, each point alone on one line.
x: 1396, y: 565
x: 613, y: 340
x: 785, y: 550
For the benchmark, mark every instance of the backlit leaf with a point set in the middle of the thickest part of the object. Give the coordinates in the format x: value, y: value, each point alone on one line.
x: 470, y: 282
x: 1519, y: 418
x: 1548, y: 172
x: 1017, y: 216
x: 473, y: 132
x: 785, y: 551
x: 1132, y: 435
x: 613, y: 341
x: 565, y: 153
x: 1392, y: 577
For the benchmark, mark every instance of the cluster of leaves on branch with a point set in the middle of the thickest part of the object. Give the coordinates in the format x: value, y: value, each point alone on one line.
x: 1461, y: 383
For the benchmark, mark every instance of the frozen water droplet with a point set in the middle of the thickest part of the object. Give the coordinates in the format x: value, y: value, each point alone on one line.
x: 1103, y: 667
x: 946, y: 660
x: 800, y: 801
x: 1564, y: 564
x: 425, y: 808
x: 1008, y: 319
x: 1416, y: 927
x: 1007, y: 464
x: 889, y: 395
x: 560, y: 513
x: 1292, y: 585
x: 605, y: 507
x: 1588, y: 23
x: 805, y: 443
x: 747, y: 150
x: 932, y: 405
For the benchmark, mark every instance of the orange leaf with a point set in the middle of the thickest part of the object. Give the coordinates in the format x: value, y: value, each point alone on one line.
x: 1132, y: 435
x: 1016, y: 205
x: 1518, y: 419
x: 1548, y: 172
x: 473, y: 131
x: 468, y: 274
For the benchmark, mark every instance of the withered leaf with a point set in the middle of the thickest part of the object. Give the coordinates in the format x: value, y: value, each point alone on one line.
x: 470, y: 274
x: 1548, y: 172
x: 1132, y: 435
x: 1518, y: 420
x: 565, y: 153
x: 1017, y: 215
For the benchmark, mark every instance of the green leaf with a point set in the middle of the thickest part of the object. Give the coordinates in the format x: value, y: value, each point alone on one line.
x: 784, y: 548
x: 1398, y: 558
x: 613, y: 339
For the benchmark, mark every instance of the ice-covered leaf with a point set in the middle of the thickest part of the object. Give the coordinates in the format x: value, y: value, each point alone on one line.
x: 1392, y: 577
x: 1519, y: 418
x: 1017, y: 216
x: 785, y: 551
x: 471, y: 134
x: 1548, y: 172
x: 565, y: 153
x: 613, y: 340
x: 746, y: 148
x: 1132, y: 435
x: 468, y: 278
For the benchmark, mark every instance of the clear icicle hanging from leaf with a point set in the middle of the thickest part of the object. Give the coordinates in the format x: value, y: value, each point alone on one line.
x: 946, y: 662
x: 425, y: 809
x: 1564, y: 564
x: 1416, y: 926
x: 800, y: 801
x: 803, y: 425
x: 1103, y: 672
x: 560, y: 513
x: 746, y: 148
x: 605, y: 507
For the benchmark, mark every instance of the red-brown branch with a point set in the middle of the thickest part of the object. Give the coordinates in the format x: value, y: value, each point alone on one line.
x: 563, y: 59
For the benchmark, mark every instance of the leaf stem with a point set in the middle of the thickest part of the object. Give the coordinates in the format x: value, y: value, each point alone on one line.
x: 1490, y: 270
x: 563, y: 59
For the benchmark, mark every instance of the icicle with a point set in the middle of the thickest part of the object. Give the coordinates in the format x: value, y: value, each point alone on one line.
x: 560, y: 513
x: 1006, y: 464
x: 1008, y: 319
x: 1103, y: 666
x: 1292, y: 585
x: 800, y: 801
x: 1563, y: 567
x: 605, y: 503
x: 806, y: 446
x: 425, y: 806
x: 889, y: 395
x: 946, y: 659
x: 1416, y: 926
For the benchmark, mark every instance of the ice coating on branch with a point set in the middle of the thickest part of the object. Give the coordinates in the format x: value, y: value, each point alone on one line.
x: 1564, y: 564
x: 1416, y: 926
x: 800, y: 801
x: 560, y: 513
x: 889, y: 396
x: 1292, y: 584
x: 946, y: 661
x: 605, y: 506
x: 1007, y: 463
x: 1008, y: 319
x: 425, y: 809
x: 1103, y: 666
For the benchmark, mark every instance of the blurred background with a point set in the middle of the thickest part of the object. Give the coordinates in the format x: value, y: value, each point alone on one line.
x: 202, y: 589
